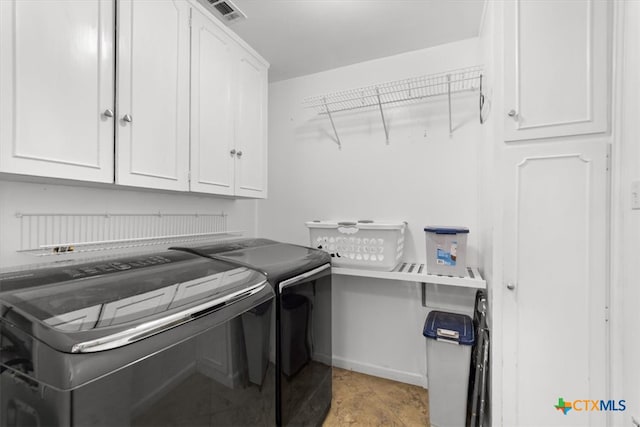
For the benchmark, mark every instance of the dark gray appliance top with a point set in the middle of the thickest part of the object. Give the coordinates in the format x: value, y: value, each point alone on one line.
x: 278, y: 261
x: 99, y: 306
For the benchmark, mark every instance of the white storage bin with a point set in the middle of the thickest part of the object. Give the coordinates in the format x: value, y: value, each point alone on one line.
x: 447, y: 250
x: 366, y: 244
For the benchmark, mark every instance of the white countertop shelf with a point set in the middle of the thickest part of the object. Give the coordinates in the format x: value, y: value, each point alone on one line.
x: 414, y: 272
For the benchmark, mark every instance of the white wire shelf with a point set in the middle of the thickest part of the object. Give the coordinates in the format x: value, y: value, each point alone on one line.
x: 466, y: 79
x: 416, y: 272
x: 44, y: 234
x: 415, y: 88
x: 108, y: 245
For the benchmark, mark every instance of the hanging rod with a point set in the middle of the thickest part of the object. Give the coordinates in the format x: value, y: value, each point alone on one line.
x: 415, y: 88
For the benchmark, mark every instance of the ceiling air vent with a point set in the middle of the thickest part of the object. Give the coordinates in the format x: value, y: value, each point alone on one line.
x: 226, y: 10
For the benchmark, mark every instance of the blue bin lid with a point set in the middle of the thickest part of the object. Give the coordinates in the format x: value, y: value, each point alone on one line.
x: 453, y: 327
x: 446, y: 230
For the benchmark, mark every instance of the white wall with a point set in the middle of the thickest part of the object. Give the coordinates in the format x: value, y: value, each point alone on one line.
x: 489, y: 200
x: 29, y: 197
x: 626, y: 222
x: 486, y: 190
x: 423, y: 176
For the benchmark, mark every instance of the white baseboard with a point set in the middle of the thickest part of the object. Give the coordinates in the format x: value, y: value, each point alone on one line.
x: 225, y: 375
x: 322, y: 358
x: 159, y: 391
x: 380, y: 371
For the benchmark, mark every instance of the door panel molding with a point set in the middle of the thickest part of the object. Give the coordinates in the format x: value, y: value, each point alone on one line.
x: 212, y: 107
x: 153, y: 87
x: 568, y: 62
x: 588, y: 71
x: 555, y: 255
x: 52, y: 124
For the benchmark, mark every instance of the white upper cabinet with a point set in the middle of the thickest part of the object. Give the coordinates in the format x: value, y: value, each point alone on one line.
x: 57, y: 88
x: 153, y: 94
x: 228, y: 113
x: 212, y: 108
x: 556, y: 68
x: 183, y: 106
x: 251, y: 127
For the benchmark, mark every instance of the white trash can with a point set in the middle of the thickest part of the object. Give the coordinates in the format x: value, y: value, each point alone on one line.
x: 450, y: 337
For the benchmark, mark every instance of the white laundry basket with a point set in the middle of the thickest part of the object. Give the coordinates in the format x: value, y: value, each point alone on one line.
x: 364, y: 244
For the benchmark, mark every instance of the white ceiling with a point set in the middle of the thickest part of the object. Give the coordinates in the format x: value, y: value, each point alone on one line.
x: 300, y: 37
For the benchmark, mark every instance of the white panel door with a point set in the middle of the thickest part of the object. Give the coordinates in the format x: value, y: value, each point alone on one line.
x: 56, y: 83
x: 556, y: 68
x: 251, y: 127
x: 212, y: 113
x: 554, y: 295
x: 153, y: 94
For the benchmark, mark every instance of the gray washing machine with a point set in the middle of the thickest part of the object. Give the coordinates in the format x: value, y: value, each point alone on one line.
x: 301, y: 278
x: 151, y: 340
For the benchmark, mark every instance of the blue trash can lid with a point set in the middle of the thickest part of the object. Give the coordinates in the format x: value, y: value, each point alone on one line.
x: 449, y: 327
x: 446, y: 230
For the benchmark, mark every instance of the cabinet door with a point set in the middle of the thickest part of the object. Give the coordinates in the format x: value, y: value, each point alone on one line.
x: 251, y: 127
x: 554, y: 301
x: 212, y: 114
x: 556, y: 68
x: 152, y: 141
x: 56, y: 83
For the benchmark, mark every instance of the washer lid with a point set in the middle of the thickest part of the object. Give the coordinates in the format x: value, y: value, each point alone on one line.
x: 92, y: 307
x: 278, y: 261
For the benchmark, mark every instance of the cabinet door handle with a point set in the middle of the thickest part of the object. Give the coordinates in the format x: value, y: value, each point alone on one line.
x: 127, y: 118
x: 512, y: 114
x: 232, y: 152
x: 511, y: 286
x: 239, y: 154
x: 108, y: 112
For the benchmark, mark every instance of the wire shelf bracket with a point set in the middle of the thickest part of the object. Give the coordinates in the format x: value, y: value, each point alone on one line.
x: 335, y: 132
x: 449, y: 98
x: 384, y: 122
x: 417, y: 88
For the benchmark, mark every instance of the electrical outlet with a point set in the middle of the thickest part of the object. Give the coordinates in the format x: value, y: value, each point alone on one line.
x: 635, y: 195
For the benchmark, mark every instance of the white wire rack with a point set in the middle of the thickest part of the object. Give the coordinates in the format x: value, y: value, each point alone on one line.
x: 44, y: 234
x: 415, y: 88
